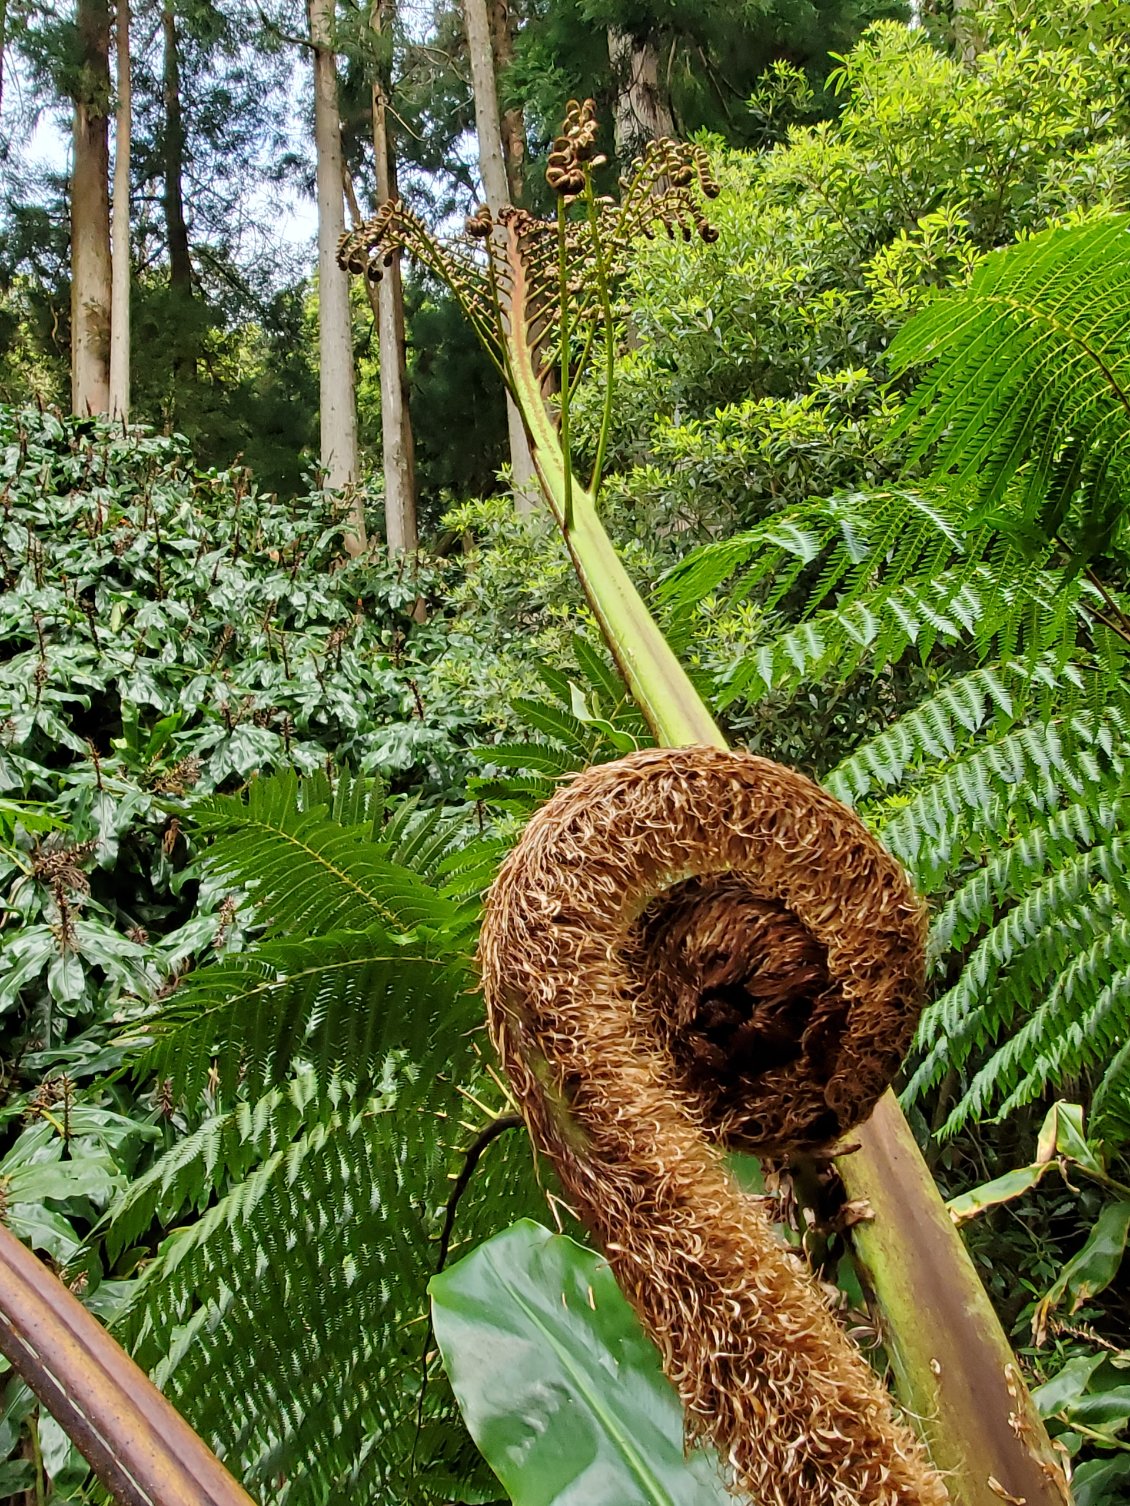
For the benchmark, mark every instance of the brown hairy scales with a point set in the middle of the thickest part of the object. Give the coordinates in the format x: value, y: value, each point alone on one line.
x: 691, y: 950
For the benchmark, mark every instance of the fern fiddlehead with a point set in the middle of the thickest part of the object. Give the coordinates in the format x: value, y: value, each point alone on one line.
x: 691, y: 950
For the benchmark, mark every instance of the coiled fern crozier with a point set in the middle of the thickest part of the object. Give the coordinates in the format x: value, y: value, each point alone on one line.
x: 692, y: 949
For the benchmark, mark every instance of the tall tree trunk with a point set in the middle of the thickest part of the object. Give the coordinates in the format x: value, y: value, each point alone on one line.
x: 176, y: 230
x: 396, y: 422
x: 642, y: 111
x: 513, y: 120
x: 3, y: 44
x: 90, y: 215
x: 335, y: 332
x: 968, y: 39
x: 492, y: 171
x: 119, y: 225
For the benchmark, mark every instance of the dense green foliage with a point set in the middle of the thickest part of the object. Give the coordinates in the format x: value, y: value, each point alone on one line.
x: 904, y: 450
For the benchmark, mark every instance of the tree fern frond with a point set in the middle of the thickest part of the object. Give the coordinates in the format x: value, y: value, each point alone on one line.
x: 352, y: 1004
x: 304, y: 1290
x: 1045, y: 845
x: 980, y: 799
x: 308, y: 1207
x: 1030, y: 381
x: 897, y: 576
x: 1072, y: 1026
x: 309, y: 873
x: 224, y: 1147
x: 1110, y: 1107
x: 935, y: 729
x: 1036, y: 939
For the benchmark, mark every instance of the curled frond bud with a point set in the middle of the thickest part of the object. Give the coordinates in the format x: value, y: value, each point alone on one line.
x: 480, y: 224
x: 707, y: 182
x: 692, y: 951
x: 563, y: 172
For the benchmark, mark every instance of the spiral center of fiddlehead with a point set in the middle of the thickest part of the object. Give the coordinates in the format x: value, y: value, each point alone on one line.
x: 753, y: 1020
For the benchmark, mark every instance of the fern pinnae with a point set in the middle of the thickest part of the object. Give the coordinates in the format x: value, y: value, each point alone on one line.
x: 1022, y: 1064
x: 1085, y: 1044
x: 1110, y: 1107
x: 1030, y: 377
x: 256, y: 1014
x: 224, y: 1146
x: 1031, y: 768
x: 1043, y: 846
x: 1063, y: 936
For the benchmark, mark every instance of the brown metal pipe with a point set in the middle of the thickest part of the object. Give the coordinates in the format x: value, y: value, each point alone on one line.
x: 136, y: 1442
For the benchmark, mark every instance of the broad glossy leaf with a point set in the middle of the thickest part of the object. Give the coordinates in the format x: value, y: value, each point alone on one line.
x: 43, y: 1230
x: 1101, y: 1481
x: 1066, y: 1386
x: 1093, y: 1268
x: 559, y: 1386
x: 1097, y: 1263
x: 1071, y: 1136
x: 992, y: 1194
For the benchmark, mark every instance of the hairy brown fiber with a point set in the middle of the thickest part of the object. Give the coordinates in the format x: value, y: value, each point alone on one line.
x: 692, y: 949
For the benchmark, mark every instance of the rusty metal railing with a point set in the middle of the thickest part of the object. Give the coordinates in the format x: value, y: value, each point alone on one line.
x: 136, y: 1442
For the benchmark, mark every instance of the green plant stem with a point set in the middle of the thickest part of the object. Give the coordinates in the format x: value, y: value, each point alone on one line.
x: 37, y: 1459
x: 1119, y: 1189
x: 954, y: 1369
x: 563, y: 296
x: 609, y: 346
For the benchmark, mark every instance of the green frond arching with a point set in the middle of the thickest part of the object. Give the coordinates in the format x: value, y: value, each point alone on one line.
x: 1009, y: 870
x: 356, y: 1003
x: 1028, y: 386
x: 302, y: 1292
x: 345, y: 1075
x: 224, y: 1147
x: 1003, y: 790
x: 880, y: 577
x: 1110, y: 1107
x: 1024, y: 834
x: 959, y: 809
x: 326, y: 855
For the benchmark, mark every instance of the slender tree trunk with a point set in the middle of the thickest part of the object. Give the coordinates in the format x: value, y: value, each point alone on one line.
x: 513, y: 120
x: 176, y: 230
x: 120, y: 249
x: 90, y: 215
x: 335, y: 331
x: 642, y: 111
x: 3, y: 44
x: 492, y: 171
x: 396, y: 422
x: 968, y: 40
